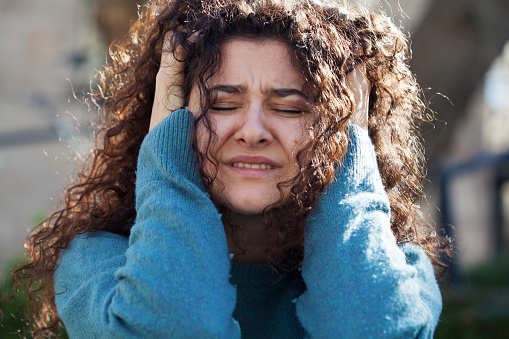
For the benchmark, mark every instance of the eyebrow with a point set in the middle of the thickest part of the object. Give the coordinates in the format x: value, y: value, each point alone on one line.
x: 285, y: 92
x: 230, y: 89
x: 278, y: 92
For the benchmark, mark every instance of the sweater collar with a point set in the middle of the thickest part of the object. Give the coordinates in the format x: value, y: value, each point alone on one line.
x: 254, y: 275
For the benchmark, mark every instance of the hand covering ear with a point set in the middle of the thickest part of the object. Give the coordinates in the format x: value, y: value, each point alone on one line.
x: 359, y: 85
x: 169, y: 95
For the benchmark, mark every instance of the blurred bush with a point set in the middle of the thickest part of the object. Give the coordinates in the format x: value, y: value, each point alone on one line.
x: 13, y: 320
x: 480, y: 308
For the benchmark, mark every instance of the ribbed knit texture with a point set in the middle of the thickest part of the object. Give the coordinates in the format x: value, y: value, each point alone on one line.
x: 358, y: 280
x: 173, y: 278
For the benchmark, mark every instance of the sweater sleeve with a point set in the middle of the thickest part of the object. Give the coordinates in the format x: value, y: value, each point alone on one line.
x: 171, y: 277
x: 360, y: 283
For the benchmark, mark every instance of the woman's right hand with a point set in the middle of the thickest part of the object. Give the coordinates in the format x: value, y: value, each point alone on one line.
x: 169, y: 95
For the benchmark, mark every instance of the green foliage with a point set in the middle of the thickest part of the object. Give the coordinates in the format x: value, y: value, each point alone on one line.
x: 13, y: 320
x: 494, y: 275
x: 481, y: 308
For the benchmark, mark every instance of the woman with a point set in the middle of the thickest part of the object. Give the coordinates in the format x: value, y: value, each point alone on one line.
x: 253, y: 206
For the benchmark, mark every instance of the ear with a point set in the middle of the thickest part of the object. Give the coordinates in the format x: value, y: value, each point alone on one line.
x: 359, y: 85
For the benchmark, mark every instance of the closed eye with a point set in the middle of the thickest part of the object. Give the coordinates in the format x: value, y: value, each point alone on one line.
x: 219, y: 108
x: 290, y: 111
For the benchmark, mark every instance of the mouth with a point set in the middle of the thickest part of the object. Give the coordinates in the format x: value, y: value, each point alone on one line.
x: 249, y: 166
x: 252, y: 166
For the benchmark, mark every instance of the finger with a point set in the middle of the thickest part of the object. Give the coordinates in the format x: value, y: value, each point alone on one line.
x: 168, y: 93
x: 194, y: 37
x: 168, y: 58
x: 359, y: 85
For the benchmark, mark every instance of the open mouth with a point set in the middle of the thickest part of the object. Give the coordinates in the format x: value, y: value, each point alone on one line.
x: 253, y: 166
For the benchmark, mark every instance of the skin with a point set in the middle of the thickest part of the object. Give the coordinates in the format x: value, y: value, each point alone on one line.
x: 260, y: 115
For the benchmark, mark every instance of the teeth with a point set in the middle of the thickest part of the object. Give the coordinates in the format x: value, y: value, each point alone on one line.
x: 255, y: 166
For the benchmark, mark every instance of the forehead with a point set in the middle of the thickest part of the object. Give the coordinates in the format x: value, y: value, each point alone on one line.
x: 257, y: 62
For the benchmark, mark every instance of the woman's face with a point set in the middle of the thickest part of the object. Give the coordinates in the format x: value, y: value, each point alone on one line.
x: 260, y: 114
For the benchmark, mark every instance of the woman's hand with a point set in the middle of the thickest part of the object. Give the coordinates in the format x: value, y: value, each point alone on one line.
x: 359, y: 282
x: 169, y: 95
x: 360, y: 87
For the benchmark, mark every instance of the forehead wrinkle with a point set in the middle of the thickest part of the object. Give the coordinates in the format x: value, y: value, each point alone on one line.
x: 229, y: 88
x: 285, y: 92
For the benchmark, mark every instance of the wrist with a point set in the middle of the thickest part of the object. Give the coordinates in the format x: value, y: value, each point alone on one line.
x: 356, y: 175
x: 360, y: 159
x: 168, y: 147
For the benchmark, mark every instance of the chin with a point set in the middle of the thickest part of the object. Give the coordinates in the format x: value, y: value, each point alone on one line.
x: 247, y: 211
x: 247, y: 208
x: 248, y: 204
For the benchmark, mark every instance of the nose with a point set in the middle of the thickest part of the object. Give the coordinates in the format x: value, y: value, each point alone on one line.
x: 252, y: 129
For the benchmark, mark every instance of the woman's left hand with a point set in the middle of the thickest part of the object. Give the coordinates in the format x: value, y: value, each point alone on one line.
x: 358, y: 83
x: 358, y: 280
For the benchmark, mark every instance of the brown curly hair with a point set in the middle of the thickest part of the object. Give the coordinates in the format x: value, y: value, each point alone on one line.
x: 328, y: 38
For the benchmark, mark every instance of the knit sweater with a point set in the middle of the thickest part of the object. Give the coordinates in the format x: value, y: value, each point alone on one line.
x: 174, y: 278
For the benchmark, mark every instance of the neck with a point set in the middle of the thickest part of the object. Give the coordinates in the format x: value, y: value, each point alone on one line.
x: 252, y: 237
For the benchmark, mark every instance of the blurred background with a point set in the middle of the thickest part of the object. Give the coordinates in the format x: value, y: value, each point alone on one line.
x: 461, y: 59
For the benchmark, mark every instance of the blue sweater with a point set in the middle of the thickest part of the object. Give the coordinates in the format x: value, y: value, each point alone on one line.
x: 173, y: 277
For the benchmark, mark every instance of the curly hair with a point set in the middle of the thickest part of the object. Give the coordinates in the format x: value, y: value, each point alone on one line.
x: 327, y: 38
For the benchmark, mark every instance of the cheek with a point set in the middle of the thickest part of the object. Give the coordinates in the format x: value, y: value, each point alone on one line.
x: 212, y: 140
x: 205, y: 144
x: 296, y: 137
x: 220, y: 130
x: 203, y: 137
